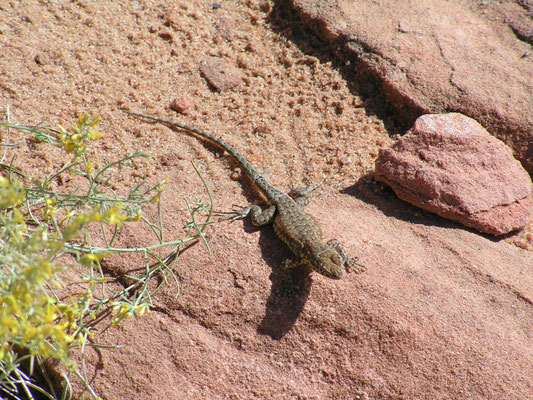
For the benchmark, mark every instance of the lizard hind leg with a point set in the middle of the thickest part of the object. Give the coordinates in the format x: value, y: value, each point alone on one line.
x: 351, y: 262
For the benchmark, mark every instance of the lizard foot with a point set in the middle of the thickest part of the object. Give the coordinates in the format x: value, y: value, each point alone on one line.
x: 353, y: 265
x: 258, y: 217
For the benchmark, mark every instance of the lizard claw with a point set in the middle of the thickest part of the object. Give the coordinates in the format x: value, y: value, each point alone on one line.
x: 304, y: 191
x: 353, y: 265
x: 235, y: 214
x: 227, y: 215
x: 242, y: 213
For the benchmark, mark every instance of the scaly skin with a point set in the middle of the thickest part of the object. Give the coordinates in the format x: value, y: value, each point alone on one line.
x: 297, y: 229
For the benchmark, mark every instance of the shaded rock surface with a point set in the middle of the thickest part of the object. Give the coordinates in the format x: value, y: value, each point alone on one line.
x: 450, y: 165
x: 464, y: 56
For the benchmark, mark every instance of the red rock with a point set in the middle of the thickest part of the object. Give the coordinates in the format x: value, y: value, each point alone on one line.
x: 450, y: 165
x: 182, y: 104
x: 220, y: 74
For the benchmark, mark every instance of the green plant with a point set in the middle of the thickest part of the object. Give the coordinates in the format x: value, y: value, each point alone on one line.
x: 44, y: 241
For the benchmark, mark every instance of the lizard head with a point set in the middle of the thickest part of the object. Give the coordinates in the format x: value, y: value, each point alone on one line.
x: 330, y: 264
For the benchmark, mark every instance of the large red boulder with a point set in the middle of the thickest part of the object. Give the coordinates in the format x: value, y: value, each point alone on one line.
x: 450, y: 165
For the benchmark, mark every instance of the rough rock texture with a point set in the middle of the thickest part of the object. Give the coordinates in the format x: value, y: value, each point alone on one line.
x: 441, y: 313
x: 450, y: 165
x: 441, y: 56
x: 517, y: 14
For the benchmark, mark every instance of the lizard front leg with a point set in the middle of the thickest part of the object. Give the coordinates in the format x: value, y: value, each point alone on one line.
x: 258, y: 217
x: 302, y: 195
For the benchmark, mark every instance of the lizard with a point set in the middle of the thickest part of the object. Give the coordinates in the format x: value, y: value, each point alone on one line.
x: 299, y: 230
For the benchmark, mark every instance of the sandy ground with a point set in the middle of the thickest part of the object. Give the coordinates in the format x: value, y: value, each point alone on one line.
x: 293, y: 115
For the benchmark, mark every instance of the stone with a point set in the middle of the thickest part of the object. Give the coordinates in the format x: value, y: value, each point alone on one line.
x: 219, y: 74
x: 450, y: 165
x: 223, y: 27
x: 182, y: 104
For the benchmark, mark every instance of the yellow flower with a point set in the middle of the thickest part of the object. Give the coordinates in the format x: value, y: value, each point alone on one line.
x: 18, y: 218
x: 141, y: 309
x: 3, y: 350
x: 11, y: 193
x: 89, y: 259
x: 156, y: 199
x: 123, y: 309
x: 62, y: 130
x: 95, y: 122
x: 95, y: 135
x: 137, y: 217
x: 114, y: 218
x: 30, y: 333
x: 50, y: 314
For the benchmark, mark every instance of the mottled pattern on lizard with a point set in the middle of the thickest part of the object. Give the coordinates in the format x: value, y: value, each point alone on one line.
x: 299, y: 230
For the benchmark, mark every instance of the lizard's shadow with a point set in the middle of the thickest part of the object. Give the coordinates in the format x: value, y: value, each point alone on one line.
x: 290, y: 287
